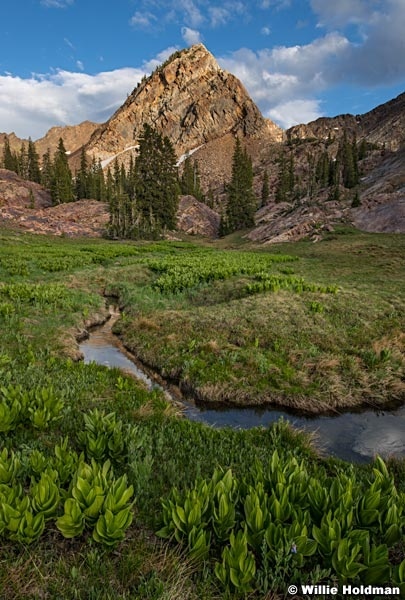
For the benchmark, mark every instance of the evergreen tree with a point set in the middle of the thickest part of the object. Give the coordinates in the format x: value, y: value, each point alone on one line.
x: 362, y: 151
x: 109, y: 186
x: 157, y: 188
x: 33, y: 168
x: 348, y: 158
x: 334, y: 179
x: 265, y: 189
x: 61, y: 183
x: 242, y: 202
x: 82, y: 177
x: 286, y: 178
x: 47, y: 170
x: 22, y: 162
x: 190, y: 183
x: 356, y: 202
x: 322, y: 170
x: 9, y: 158
x: 100, y: 182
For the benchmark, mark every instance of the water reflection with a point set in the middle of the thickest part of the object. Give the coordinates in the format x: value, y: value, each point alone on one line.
x: 357, y: 437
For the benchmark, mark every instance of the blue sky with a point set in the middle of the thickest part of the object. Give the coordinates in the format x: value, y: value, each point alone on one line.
x: 64, y: 61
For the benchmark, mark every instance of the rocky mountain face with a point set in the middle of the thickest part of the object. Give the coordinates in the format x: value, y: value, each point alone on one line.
x: 381, y: 189
x: 191, y: 100
x: 73, y: 136
x: 384, y: 125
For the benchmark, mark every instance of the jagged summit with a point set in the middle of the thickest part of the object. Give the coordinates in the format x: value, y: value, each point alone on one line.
x: 190, y: 99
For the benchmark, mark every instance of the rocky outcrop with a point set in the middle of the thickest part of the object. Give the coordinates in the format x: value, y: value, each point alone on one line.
x: 191, y: 100
x: 383, y: 196
x: 196, y: 218
x: 85, y: 218
x: 27, y: 205
x: 285, y: 223
x: 17, y: 193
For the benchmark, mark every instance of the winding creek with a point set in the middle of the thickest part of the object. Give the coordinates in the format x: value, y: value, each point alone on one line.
x: 353, y: 436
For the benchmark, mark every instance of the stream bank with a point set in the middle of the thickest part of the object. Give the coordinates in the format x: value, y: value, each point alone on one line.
x: 353, y: 436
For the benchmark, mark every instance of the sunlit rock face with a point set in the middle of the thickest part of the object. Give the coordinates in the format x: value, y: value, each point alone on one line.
x: 191, y: 100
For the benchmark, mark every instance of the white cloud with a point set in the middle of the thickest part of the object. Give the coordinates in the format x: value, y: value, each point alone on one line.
x: 379, y: 57
x: 29, y: 107
x: 160, y: 58
x: 265, y: 31
x: 219, y: 15
x: 56, y: 3
x: 278, y: 4
x: 191, y: 13
x: 344, y: 12
x: 69, y: 43
x: 191, y: 36
x: 80, y: 65
x: 276, y: 77
x: 143, y: 19
x: 294, y: 112
x: 287, y: 81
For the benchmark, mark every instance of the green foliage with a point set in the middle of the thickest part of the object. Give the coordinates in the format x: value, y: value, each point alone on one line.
x: 9, y: 466
x: 273, y: 283
x: 284, y: 503
x: 190, y: 183
x: 348, y: 158
x: 99, y: 502
x: 104, y: 436
x: 44, y: 407
x: 61, y: 183
x: 289, y: 522
x: 39, y: 406
x: 265, y: 192
x: 177, y: 275
x: 71, y: 523
x: 143, y: 201
x: 45, y: 494
x: 286, y: 178
x: 241, y: 204
x: 238, y: 566
x: 157, y: 187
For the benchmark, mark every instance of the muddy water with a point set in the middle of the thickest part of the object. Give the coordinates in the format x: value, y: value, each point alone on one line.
x: 356, y: 437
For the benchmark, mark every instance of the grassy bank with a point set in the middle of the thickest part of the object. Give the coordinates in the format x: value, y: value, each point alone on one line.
x: 234, y: 326
x: 311, y: 327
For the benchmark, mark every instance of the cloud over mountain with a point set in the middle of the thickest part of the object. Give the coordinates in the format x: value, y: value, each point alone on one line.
x: 30, y: 106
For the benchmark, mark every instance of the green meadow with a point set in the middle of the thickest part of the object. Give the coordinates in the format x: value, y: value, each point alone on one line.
x: 107, y: 491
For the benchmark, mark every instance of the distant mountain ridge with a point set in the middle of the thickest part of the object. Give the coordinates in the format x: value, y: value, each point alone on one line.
x: 384, y: 124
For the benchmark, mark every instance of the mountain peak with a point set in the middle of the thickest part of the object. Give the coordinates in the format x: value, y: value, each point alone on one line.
x: 190, y: 99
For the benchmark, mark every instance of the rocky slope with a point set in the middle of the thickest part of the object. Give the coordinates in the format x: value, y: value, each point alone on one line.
x: 73, y: 136
x: 384, y: 125
x: 196, y: 218
x: 191, y: 100
x: 382, y: 177
x: 28, y: 206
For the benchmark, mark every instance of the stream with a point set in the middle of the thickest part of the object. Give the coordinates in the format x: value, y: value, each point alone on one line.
x: 352, y: 436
